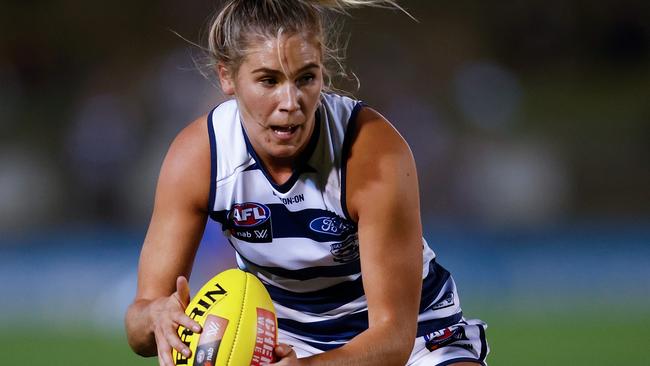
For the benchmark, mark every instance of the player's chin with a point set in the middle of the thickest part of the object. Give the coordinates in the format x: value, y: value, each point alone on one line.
x: 284, y: 151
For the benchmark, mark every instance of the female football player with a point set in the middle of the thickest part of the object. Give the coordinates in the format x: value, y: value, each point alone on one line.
x: 318, y: 195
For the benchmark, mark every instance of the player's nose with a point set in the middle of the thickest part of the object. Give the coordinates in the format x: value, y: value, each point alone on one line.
x: 289, y: 95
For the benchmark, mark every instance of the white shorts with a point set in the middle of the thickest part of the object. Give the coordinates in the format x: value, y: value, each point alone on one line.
x: 462, y: 342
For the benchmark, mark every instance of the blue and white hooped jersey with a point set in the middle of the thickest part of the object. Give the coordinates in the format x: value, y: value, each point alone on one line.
x: 298, y: 238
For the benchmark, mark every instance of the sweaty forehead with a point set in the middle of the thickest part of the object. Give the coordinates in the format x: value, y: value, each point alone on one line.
x: 287, y: 53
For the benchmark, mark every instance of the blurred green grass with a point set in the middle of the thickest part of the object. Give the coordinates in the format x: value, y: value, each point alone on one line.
x: 567, y: 338
x: 583, y: 337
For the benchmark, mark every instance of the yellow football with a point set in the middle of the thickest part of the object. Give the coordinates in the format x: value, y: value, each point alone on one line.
x: 238, y: 320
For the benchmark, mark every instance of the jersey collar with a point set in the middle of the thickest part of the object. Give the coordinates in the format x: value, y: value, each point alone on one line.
x: 300, y: 164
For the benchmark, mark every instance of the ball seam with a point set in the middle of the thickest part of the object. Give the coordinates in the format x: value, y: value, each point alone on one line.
x: 239, y: 321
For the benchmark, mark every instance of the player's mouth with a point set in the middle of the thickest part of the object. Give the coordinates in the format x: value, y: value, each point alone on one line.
x: 284, y: 132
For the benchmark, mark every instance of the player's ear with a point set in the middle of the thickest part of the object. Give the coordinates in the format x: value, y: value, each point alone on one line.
x: 226, y: 79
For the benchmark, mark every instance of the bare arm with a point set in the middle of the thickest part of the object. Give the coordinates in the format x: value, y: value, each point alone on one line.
x: 383, y: 197
x: 176, y: 227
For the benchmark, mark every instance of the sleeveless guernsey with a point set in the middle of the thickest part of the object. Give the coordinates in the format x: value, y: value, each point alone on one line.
x: 298, y: 238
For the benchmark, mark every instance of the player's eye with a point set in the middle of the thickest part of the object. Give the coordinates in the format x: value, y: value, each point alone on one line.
x: 268, y: 81
x: 305, y: 79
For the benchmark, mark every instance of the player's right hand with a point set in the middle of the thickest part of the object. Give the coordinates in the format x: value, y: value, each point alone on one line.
x: 167, y: 314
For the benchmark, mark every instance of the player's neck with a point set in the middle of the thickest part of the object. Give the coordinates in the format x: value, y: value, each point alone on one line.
x: 280, y: 174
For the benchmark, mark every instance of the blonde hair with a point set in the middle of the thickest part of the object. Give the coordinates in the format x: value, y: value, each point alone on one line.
x: 242, y: 21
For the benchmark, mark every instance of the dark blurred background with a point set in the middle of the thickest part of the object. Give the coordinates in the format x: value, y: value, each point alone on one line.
x: 529, y: 122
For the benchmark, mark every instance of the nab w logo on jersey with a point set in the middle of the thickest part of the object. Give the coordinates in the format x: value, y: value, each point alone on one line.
x: 251, y: 222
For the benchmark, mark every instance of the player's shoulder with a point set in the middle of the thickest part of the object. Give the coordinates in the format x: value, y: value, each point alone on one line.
x: 380, y: 163
x: 364, y: 119
x: 194, y: 133
x: 375, y: 135
x: 189, y: 153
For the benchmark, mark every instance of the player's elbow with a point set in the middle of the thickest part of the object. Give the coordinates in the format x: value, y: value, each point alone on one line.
x: 143, y: 349
x: 140, y: 341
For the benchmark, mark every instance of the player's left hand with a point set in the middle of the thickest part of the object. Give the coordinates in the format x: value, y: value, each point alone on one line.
x: 286, y: 356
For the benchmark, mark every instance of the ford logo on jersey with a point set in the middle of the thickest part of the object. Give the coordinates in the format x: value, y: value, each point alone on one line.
x: 330, y: 225
x: 249, y: 214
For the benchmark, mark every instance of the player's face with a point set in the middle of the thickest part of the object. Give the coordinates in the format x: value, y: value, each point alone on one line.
x: 278, y: 88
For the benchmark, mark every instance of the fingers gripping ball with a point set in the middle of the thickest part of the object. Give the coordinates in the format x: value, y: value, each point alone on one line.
x: 238, y: 320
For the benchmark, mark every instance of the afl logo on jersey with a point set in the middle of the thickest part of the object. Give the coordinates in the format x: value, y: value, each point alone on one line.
x: 250, y: 222
x: 249, y: 214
